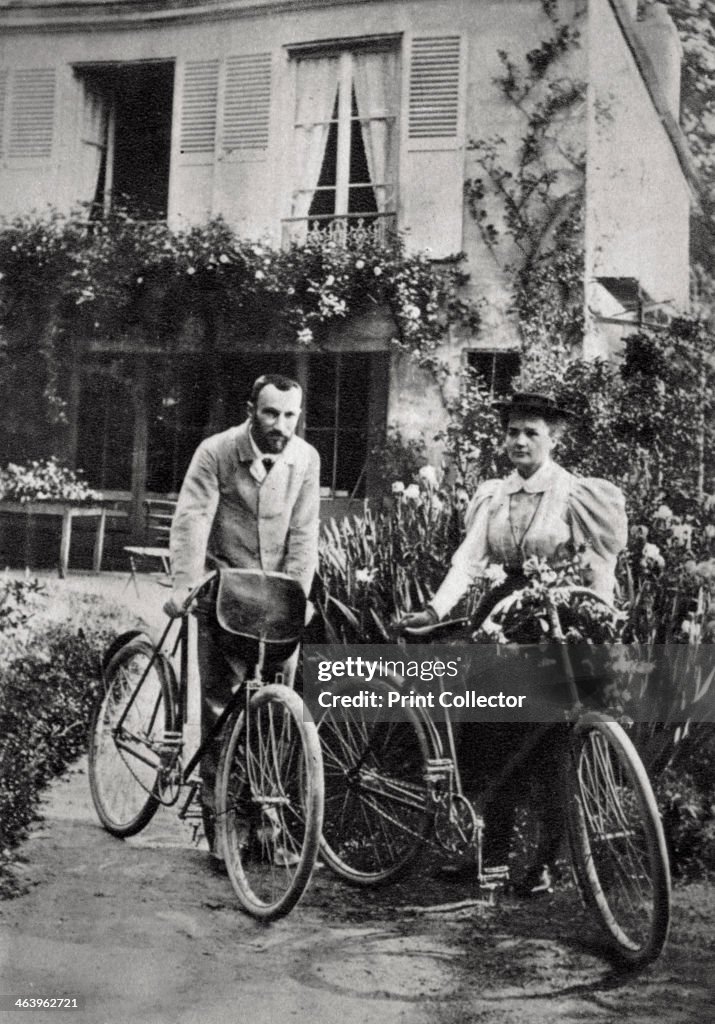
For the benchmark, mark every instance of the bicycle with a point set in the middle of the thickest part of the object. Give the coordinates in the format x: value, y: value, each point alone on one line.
x: 269, y: 788
x: 395, y: 787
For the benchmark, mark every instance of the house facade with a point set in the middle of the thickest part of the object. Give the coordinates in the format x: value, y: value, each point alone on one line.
x: 280, y: 115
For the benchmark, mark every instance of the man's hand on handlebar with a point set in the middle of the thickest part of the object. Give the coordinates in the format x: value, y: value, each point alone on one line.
x: 416, y: 620
x: 176, y: 603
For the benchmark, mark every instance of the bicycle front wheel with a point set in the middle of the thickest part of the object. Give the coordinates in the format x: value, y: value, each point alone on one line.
x: 617, y: 841
x: 377, y: 801
x: 126, y: 736
x: 270, y: 801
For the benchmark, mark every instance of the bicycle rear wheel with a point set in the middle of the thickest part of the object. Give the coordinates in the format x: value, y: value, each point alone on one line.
x: 377, y: 801
x: 125, y: 760
x: 617, y: 841
x: 270, y: 801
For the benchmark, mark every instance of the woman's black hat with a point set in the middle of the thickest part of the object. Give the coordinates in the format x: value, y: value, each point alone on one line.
x: 534, y: 402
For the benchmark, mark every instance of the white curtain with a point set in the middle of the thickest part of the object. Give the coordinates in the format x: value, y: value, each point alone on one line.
x: 375, y: 81
x: 316, y: 90
x: 93, y: 140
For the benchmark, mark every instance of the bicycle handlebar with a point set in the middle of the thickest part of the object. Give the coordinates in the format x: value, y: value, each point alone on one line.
x: 506, y: 602
x: 194, y: 593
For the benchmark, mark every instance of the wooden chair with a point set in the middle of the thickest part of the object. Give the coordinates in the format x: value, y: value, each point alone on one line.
x: 157, y: 527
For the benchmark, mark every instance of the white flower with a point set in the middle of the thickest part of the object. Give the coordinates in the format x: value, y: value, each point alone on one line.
x: 663, y: 512
x: 398, y: 487
x: 329, y: 280
x: 682, y: 533
x: 428, y: 476
x: 377, y: 271
x: 191, y: 270
x: 412, y: 493
x: 364, y: 575
x: 305, y: 336
x: 259, y: 275
x: 359, y: 264
x: 223, y: 258
x: 651, y: 553
x: 140, y: 280
x: 495, y: 574
x: 412, y: 311
x: 436, y: 503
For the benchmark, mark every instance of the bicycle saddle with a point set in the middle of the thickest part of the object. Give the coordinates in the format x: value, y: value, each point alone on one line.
x: 267, y: 606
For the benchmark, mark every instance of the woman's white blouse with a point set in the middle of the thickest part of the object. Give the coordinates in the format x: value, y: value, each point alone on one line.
x: 549, y: 515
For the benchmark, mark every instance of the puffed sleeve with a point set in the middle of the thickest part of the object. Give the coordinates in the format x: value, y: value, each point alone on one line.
x: 597, y: 512
x: 472, y: 556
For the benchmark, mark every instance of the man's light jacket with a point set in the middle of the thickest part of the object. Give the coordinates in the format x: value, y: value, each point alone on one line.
x: 226, y: 518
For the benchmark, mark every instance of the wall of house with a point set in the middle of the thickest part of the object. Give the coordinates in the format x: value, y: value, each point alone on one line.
x: 637, y: 198
x: 631, y: 230
x: 251, y: 187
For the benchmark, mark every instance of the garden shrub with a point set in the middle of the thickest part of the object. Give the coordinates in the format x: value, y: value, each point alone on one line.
x: 50, y: 680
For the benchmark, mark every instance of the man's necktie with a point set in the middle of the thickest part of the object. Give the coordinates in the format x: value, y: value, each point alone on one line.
x: 267, y: 464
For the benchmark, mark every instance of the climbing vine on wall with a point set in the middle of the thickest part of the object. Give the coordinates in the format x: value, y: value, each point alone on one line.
x: 528, y: 200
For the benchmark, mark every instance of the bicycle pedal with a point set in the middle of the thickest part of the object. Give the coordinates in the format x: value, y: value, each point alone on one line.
x: 494, y: 877
x: 439, y: 769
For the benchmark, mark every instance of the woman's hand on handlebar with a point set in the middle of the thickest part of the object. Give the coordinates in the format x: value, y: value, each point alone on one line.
x: 416, y: 620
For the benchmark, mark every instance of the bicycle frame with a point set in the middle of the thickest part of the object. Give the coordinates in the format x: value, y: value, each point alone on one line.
x: 445, y: 769
x: 172, y: 744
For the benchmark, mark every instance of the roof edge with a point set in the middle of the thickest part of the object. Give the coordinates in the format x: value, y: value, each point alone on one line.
x: 648, y: 73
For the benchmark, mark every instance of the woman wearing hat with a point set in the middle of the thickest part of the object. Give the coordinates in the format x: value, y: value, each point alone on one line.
x: 538, y: 510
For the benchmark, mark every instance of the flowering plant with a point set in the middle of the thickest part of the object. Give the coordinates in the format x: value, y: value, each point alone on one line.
x: 377, y: 566
x: 126, y: 276
x: 527, y: 619
x: 43, y: 480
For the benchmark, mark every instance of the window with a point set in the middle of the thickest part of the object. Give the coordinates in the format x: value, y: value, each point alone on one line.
x: 188, y: 401
x: 345, y: 142
x: 496, y: 369
x: 341, y: 412
x: 125, y: 141
x: 105, y: 430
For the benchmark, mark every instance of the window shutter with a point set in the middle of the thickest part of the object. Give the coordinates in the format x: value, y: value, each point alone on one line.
x: 198, y: 109
x: 434, y: 88
x: 247, y: 102
x: 32, y: 113
x: 3, y: 98
x: 432, y: 168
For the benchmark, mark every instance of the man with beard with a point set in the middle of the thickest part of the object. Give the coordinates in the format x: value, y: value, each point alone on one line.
x: 250, y: 500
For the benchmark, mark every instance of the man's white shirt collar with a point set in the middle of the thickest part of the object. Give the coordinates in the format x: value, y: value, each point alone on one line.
x: 537, y: 483
x: 258, y: 471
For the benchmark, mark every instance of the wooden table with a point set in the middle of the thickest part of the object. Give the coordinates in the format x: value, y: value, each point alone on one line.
x: 68, y: 512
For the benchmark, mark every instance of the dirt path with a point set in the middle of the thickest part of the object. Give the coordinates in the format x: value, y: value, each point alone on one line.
x: 147, y: 934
